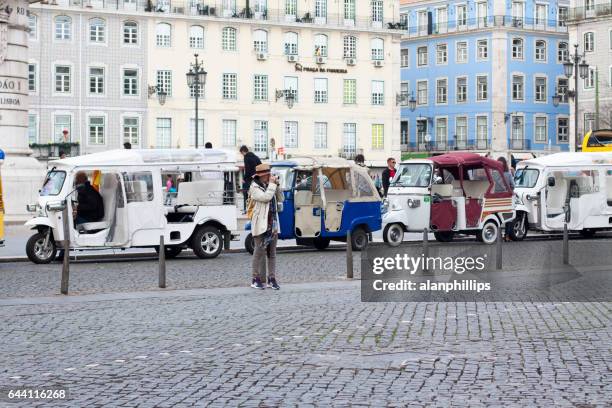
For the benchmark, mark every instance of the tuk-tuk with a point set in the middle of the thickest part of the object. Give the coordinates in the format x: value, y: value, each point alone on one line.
x: 572, y: 188
x: 1, y: 203
x: 324, y: 199
x: 138, y: 207
x: 453, y: 193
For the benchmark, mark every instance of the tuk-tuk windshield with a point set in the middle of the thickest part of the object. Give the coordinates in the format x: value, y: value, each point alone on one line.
x: 53, y: 183
x: 413, y: 175
x: 284, y: 175
x: 526, y: 178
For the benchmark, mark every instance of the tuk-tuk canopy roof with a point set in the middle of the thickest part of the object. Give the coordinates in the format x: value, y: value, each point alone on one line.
x: 570, y: 159
x: 466, y: 160
x: 309, y: 163
x: 139, y: 157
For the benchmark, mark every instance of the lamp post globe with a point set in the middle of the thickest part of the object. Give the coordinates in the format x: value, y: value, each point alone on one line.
x: 568, y: 68
x: 583, y: 68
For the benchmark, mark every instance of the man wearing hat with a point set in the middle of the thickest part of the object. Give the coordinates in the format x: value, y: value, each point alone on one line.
x: 266, y: 195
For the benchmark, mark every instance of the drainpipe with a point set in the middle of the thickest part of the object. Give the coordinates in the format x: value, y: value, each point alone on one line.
x: 596, y: 98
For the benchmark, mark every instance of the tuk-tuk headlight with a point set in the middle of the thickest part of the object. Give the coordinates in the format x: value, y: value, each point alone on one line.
x: 56, y: 205
x: 413, y: 203
x: 517, y: 200
x: 384, y: 206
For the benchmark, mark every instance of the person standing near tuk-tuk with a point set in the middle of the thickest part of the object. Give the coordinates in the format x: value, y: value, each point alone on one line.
x: 510, y: 179
x: 264, y: 196
x: 388, y: 174
x: 250, y: 162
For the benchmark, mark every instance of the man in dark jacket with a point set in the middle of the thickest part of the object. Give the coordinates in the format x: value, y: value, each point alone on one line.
x: 388, y: 174
x: 250, y: 162
x: 90, y: 207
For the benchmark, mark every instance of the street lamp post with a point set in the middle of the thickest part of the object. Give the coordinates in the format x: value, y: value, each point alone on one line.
x: 196, y: 80
x: 578, y: 67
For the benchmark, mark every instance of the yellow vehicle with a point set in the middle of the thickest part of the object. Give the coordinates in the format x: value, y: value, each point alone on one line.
x: 597, y: 141
x: 1, y: 204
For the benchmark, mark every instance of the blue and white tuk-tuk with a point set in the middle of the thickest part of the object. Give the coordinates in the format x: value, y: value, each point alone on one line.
x: 324, y: 199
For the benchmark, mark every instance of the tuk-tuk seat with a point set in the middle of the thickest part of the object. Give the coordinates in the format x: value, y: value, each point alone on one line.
x: 108, y: 191
x: 192, y: 194
x: 475, y: 188
x: 443, y: 190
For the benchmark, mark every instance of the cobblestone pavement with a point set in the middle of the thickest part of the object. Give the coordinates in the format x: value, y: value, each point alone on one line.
x: 309, y: 344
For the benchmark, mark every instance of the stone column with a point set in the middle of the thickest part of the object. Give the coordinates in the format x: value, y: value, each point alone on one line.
x: 22, y: 175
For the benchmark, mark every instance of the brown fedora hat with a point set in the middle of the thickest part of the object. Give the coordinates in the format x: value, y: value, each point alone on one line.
x: 262, y: 169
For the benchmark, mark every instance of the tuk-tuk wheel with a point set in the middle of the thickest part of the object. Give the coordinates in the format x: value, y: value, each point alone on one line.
x: 207, y: 242
x: 249, y: 244
x: 37, y: 251
x: 359, y: 239
x: 321, y: 243
x: 489, y: 233
x: 171, y: 251
x: 518, y: 231
x: 588, y: 233
x: 444, y: 236
x: 394, y: 234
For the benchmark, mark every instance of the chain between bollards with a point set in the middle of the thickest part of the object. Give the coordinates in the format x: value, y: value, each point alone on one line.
x: 349, y: 256
x: 425, y: 249
x: 66, y: 245
x: 162, y: 262
x: 565, y: 245
x: 498, y: 249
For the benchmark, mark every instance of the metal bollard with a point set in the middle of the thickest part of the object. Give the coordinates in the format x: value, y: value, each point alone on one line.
x: 425, y: 249
x: 349, y: 256
x: 162, y: 262
x: 498, y: 249
x: 565, y: 245
x: 66, y: 245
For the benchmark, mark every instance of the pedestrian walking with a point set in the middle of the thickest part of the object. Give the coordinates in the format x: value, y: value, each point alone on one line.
x: 388, y: 174
x: 250, y: 162
x: 510, y: 179
x: 265, y: 196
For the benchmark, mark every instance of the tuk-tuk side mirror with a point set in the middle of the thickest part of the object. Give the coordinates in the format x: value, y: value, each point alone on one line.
x: 551, y: 181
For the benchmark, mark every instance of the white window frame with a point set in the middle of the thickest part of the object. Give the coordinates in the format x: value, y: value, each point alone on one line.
x: 349, y: 49
x: 349, y: 95
x: 418, y: 91
x: 123, y: 83
x: 163, y: 39
x: 320, y: 137
x: 291, y: 130
x: 479, y: 57
x: 535, y: 88
x: 320, y: 90
x: 377, y: 98
x: 138, y: 129
x: 442, y: 54
x: 588, y: 38
x: 540, y: 58
x: 563, y: 117
x: 291, y: 43
x: 97, y: 31
x: 65, y: 29
x: 518, y: 75
x: 537, y: 117
x: 260, y: 41
x: 457, y: 53
x: 33, y: 27
x: 166, y: 132
x: 421, y: 63
x: 229, y: 138
x: 478, y: 93
x: 229, y: 37
x: 54, y: 78
x: 97, y: 115
x: 321, y: 42
x: 130, y: 33
x: 520, y: 50
x: 379, y: 143
x: 163, y: 79
x: 567, y: 51
x: 444, y: 93
x: 405, y: 58
x: 467, y: 89
x: 378, y: 49
x: 229, y: 86
x: 91, y: 77
x: 195, y: 41
x: 260, y: 88
x: 55, y: 115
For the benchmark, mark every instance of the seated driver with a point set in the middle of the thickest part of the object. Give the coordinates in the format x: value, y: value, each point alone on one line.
x: 90, y: 207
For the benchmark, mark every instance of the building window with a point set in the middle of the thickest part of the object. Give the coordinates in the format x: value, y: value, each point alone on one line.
x: 63, y: 28
x: 540, y: 13
x: 441, y: 130
x: 196, y: 36
x: 164, y: 81
x: 422, y: 92
x: 589, y: 41
x: 228, y: 39
x: 32, y: 129
x: 462, y: 89
x: 441, y: 91
x: 32, y: 77
x: 96, y: 130
x: 230, y: 86
x: 462, y: 52
x: 163, y: 35
x: 482, y: 86
x: 33, y: 26
x: 192, y: 132
x: 563, y: 15
x: 97, y: 30
x: 130, y: 33
x: 562, y: 88
x: 378, y: 51
x: 131, y: 131
x: 518, y: 87
x: 422, y: 56
x: 562, y: 52
x: 260, y: 88
x: 541, y: 129
x: 589, y: 5
x: 482, y: 128
x: 163, y: 132
x: 229, y: 8
x: 404, y: 57
x: 378, y: 92
x: 291, y: 8
x: 483, y: 49
x: 589, y: 81
x: 291, y: 134
x: 518, y: 128
x: 349, y: 10
x: 320, y: 90
x: 589, y: 121
x: 321, y: 9
x: 377, y: 12
x: 349, y: 92
x: 517, y: 48
x: 291, y: 43
x: 404, y: 136
x: 461, y: 131
x: 229, y: 132
x: 96, y: 80
x: 62, y: 79
x: 441, y: 54
x: 350, y: 46
x: 130, y: 82
x: 291, y: 86
x: 320, y: 135
x: 260, y: 41
x: 461, y: 16
x: 562, y: 130
x: 540, y: 50
x: 405, y: 92
x: 62, y: 123
x: 540, y: 89
x: 378, y: 136
x: 349, y: 139
x: 320, y: 44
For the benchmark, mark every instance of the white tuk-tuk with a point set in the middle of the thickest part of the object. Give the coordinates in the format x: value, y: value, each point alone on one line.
x: 185, y: 195
x: 573, y: 186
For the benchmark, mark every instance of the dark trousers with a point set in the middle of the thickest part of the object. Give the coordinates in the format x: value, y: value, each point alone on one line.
x: 259, y: 257
x: 245, y: 192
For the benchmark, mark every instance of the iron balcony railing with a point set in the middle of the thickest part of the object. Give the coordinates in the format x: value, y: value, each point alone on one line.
x: 220, y: 9
x: 475, y: 24
x: 52, y: 150
x: 520, y: 144
x: 446, y: 145
x: 597, y: 10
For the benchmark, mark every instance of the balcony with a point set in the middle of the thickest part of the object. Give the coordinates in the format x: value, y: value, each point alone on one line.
x: 478, y: 24
x: 49, y: 151
x: 520, y: 144
x: 440, y: 146
x: 218, y: 9
x: 599, y: 10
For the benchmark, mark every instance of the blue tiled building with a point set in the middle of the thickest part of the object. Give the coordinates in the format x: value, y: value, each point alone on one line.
x: 480, y: 75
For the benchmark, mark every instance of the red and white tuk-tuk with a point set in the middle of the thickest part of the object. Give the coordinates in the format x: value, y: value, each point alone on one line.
x: 454, y: 193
